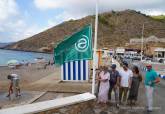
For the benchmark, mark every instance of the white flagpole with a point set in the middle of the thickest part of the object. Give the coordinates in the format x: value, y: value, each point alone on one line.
x: 94, y: 50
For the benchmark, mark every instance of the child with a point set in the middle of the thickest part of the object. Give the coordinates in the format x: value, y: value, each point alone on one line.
x: 104, y: 78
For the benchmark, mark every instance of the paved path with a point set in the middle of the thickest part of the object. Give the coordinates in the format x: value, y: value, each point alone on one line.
x: 52, y: 83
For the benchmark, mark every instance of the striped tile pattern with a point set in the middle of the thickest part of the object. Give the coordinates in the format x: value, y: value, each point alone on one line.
x: 75, y: 71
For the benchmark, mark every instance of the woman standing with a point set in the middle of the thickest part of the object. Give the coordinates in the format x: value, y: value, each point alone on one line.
x: 104, y: 78
x: 135, y: 83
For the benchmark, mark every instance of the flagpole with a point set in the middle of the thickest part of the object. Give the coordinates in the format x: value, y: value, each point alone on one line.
x: 94, y: 49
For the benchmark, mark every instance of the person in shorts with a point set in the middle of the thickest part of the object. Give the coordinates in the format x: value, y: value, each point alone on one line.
x: 14, y: 85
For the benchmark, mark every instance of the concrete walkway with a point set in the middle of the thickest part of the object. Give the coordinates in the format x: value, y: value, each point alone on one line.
x: 52, y: 83
x: 114, y: 61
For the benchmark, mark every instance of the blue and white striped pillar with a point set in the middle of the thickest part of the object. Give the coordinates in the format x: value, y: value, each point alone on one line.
x: 75, y: 71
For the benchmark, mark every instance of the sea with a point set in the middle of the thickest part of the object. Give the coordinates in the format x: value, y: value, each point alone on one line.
x: 7, y: 55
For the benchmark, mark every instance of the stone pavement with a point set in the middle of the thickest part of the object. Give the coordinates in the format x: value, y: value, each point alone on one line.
x: 110, y: 108
x: 25, y: 98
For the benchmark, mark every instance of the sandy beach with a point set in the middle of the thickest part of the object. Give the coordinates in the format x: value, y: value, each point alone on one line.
x: 28, y: 74
x: 38, y: 84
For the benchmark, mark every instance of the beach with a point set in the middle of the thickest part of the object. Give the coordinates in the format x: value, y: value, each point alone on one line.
x: 28, y: 74
x: 38, y: 84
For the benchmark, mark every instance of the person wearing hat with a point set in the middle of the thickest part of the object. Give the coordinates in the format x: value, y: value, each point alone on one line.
x: 151, y: 78
x: 114, y: 83
x: 125, y: 82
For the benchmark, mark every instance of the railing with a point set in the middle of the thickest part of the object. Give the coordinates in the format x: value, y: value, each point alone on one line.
x: 48, y: 105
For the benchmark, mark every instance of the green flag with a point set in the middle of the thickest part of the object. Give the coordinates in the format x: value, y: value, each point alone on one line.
x: 76, y: 47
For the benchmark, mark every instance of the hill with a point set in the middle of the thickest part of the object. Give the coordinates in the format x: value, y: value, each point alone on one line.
x: 115, y: 29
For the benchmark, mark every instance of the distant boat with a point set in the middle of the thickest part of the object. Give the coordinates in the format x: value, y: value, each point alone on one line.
x: 40, y: 60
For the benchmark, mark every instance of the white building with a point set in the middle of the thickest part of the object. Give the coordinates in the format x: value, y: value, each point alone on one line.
x: 146, y: 40
x: 120, y: 51
x: 160, y: 54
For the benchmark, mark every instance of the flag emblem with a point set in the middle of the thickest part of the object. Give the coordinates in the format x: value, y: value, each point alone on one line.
x: 82, y: 44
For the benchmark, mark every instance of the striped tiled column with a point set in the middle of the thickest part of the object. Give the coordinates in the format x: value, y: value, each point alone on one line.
x: 75, y: 71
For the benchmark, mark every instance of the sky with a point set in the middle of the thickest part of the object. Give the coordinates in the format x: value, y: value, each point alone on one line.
x: 20, y: 19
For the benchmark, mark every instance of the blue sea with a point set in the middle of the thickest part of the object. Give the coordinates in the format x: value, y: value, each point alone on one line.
x: 6, y: 55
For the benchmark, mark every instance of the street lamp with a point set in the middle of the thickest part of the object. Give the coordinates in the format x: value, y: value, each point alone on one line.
x: 142, y: 41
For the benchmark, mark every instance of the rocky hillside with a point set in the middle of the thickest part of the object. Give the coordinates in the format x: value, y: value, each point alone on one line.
x: 115, y: 29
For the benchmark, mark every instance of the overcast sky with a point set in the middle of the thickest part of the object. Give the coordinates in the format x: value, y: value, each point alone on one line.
x: 20, y: 19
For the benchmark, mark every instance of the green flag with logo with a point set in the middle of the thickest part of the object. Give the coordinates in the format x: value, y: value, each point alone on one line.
x: 76, y: 47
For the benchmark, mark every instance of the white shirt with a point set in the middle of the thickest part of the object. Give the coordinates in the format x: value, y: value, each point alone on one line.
x: 125, y: 76
x: 15, y: 76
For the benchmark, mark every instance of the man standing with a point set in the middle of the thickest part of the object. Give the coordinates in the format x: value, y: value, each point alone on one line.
x: 151, y: 78
x: 125, y: 81
x: 114, y: 83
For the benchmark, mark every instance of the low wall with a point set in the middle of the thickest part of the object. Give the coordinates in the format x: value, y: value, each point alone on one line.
x: 79, y: 108
x: 77, y: 104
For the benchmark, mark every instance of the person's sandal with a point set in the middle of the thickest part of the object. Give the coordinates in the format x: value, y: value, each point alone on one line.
x: 117, y: 106
x: 7, y: 95
x: 149, y: 110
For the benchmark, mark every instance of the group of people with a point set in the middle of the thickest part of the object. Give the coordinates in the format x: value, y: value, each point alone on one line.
x: 125, y: 84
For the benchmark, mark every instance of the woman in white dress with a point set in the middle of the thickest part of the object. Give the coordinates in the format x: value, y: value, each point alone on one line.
x: 104, y: 78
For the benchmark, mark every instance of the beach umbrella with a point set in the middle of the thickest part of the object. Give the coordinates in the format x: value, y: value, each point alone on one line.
x: 12, y: 62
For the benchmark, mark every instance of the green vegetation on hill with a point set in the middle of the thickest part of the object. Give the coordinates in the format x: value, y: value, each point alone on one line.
x: 159, y: 18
